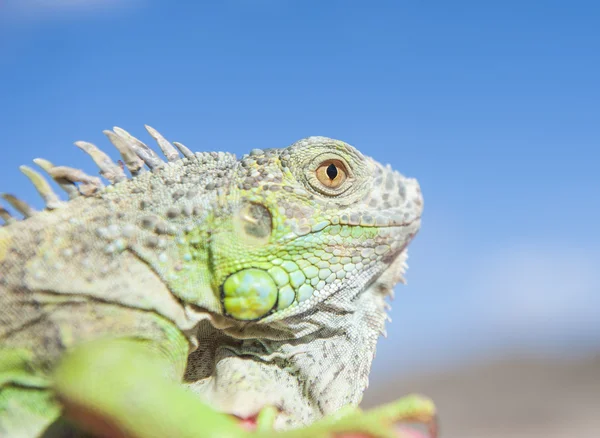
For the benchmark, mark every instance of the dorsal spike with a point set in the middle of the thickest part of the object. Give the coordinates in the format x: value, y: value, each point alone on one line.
x: 167, y: 148
x: 6, y: 216
x: 130, y: 157
x: 88, y: 184
x: 21, y: 206
x: 50, y: 198
x: 184, y: 150
x: 149, y: 157
x: 108, y: 168
x: 75, y: 182
x: 69, y: 187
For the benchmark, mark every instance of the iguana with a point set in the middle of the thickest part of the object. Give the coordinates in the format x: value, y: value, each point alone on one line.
x: 258, y: 283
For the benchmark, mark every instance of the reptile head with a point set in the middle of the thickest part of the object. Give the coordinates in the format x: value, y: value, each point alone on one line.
x: 305, y: 222
x: 309, y: 241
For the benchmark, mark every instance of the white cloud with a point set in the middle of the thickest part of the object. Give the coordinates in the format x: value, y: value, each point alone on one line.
x: 536, y: 291
x: 467, y: 300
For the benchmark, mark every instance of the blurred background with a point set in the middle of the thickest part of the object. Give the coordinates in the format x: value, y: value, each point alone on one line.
x: 493, y: 106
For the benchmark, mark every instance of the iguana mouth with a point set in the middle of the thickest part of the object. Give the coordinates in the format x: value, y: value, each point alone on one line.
x: 247, y: 423
x: 250, y: 424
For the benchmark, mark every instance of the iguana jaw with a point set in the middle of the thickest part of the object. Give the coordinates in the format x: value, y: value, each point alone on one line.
x: 306, y: 377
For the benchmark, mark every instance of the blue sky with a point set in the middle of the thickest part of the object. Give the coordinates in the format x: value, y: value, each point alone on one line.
x: 493, y: 106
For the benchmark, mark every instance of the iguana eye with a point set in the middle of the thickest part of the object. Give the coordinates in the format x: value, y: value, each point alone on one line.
x: 332, y: 173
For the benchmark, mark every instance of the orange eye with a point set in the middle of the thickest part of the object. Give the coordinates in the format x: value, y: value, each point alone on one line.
x: 332, y: 173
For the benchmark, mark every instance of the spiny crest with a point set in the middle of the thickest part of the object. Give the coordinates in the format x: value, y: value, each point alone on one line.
x: 75, y: 182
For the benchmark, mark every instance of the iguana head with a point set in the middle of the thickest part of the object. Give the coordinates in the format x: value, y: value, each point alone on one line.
x: 304, y: 247
x: 302, y: 223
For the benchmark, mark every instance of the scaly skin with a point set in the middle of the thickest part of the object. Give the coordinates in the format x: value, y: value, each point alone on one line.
x: 258, y: 283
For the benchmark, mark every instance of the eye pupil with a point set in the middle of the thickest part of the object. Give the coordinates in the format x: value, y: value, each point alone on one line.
x: 330, y: 175
x: 332, y: 171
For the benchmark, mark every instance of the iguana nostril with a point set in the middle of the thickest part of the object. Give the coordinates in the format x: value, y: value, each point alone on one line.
x: 249, y: 294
